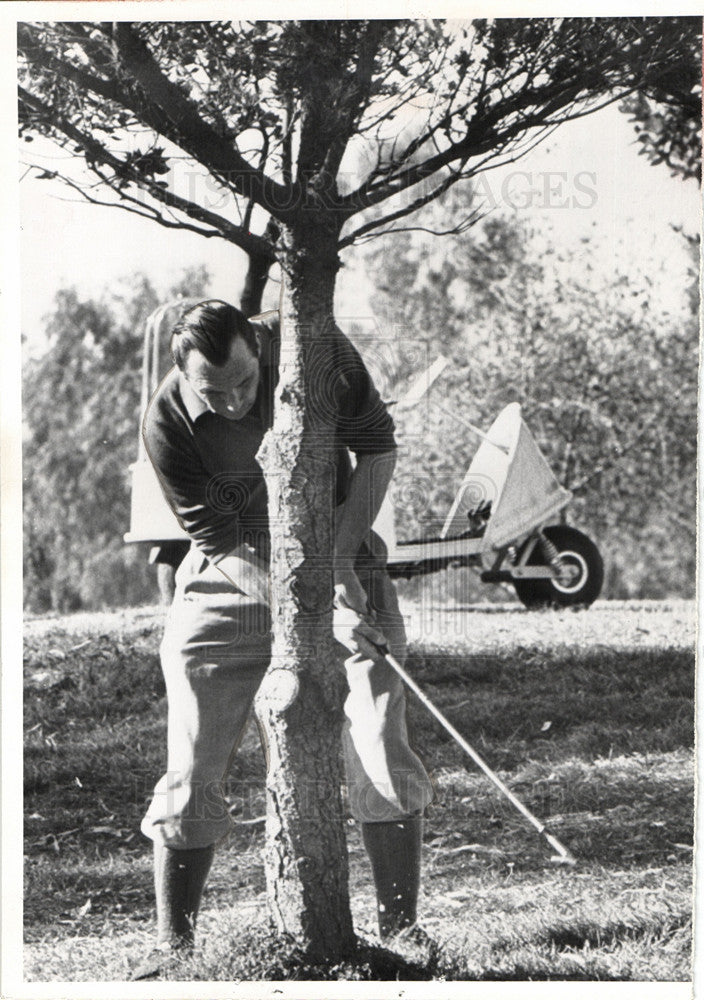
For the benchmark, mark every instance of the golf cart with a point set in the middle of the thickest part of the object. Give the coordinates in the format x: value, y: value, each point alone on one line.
x: 498, y: 523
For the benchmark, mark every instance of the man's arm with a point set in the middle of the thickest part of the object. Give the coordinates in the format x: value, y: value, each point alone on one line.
x: 186, y: 484
x: 187, y: 489
x: 368, y: 485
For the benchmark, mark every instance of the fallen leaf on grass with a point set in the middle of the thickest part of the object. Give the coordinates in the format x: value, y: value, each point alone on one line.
x: 476, y: 848
x: 450, y: 902
x: 81, y: 645
x: 578, y: 817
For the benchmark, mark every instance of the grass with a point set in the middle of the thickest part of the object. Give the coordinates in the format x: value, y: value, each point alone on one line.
x: 588, y: 717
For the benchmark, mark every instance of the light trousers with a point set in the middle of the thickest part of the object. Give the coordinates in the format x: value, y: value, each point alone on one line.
x: 215, y: 651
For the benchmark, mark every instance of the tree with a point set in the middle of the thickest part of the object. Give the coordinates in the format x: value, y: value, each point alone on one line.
x: 274, y: 114
x: 606, y: 377
x: 81, y: 410
x: 667, y: 115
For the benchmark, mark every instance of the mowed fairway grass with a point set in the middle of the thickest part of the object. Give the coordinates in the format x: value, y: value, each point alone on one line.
x: 587, y: 715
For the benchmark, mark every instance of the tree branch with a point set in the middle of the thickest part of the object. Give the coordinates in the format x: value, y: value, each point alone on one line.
x: 461, y: 227
x: 481, y: 135
x: 143, y: 211
x: 406, y: 210
x: 358, y: 97
x: 183, y: 120
x: 107, y: 89
x: 97, y: 153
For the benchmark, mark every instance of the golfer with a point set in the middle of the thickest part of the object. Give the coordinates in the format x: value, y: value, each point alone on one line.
x: 202, y: 431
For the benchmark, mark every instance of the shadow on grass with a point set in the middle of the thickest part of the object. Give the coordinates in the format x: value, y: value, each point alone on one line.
x: 589, y: 935
x: 554, y: 721
x: 535, y: 704
x: 262, y: 954
x: 527, y: 974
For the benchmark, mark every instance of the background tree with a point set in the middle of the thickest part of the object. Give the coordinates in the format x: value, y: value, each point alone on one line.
x: 81, y: 413
x: 270, y: 111
x: 606, y: 376
x: 668, y: 114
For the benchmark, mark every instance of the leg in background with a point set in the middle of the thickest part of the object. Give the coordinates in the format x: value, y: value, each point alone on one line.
x: 179, y: 879
x: 394, y: 850
x: 387, y: 783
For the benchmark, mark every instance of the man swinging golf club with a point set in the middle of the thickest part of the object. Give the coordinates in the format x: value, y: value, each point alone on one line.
x: 202, y: 431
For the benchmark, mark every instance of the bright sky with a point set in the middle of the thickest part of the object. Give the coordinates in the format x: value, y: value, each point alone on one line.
x: 587, y: 179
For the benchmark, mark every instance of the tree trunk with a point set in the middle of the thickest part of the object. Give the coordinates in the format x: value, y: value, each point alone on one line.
x: 257, y: 275
x: 254, y: 282
x: 300, y: 702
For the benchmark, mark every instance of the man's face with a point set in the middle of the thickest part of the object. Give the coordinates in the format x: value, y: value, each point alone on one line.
x: 228, y: 389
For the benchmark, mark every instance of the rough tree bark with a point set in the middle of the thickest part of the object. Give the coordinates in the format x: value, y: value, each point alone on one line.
x: 300, y: 701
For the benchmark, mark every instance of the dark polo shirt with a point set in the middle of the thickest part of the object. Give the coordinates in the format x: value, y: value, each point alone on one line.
x: 206, y: 463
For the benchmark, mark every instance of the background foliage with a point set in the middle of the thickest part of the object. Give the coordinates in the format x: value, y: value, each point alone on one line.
x: 81, y: 419
x: 607, y: 379
x: 276, y: 117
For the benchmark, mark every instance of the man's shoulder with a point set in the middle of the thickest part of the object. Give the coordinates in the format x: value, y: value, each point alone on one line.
x: 166, y: 405
x: 268, y: 330
x: 267, y: 323
x: 336, y: 346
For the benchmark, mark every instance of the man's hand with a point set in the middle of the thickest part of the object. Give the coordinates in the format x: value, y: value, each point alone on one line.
x: 355, y: 516
x: 349, y: 592
x: 353, y: 624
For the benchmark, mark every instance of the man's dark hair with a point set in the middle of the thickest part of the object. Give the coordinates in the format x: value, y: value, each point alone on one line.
x: 210, y: 327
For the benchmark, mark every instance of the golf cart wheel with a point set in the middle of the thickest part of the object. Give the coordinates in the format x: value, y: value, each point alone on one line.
x: 581, y: 571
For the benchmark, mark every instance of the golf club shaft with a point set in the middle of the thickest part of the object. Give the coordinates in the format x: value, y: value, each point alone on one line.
x: 540, y: 827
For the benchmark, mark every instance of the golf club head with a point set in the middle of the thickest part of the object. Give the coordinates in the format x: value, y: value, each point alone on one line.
x: 563, y: 856
x: 562, y: 859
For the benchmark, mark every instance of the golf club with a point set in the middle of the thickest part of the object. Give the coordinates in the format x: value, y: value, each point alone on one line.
x: 563, y: 856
